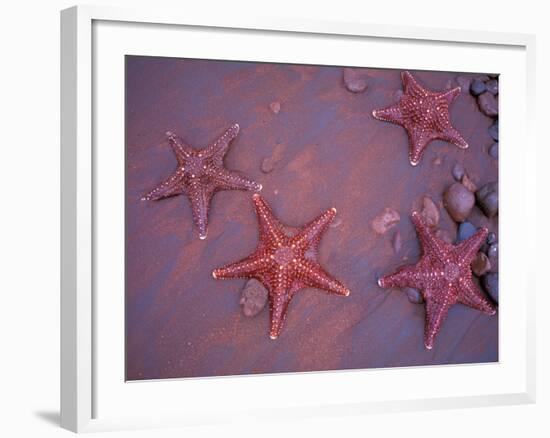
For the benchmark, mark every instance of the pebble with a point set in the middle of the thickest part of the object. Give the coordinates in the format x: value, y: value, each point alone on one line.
x: 493, y: 150
x: 465, y: 231
x: 429, y: 211
x: 275, y: 107
x: 491, y: 238
x: 490, y: 284
x: 481, y: 264
x: 493, y: 131
x: 253, y: 297
x: 355, y: 80
x: 458, y: 201
x: 397, y: 242
x: 385, y: 220
x: 488, y: 104
x: 468, y: 183
x: 269, y: 163
x: 487, y: 199
x: 477, y: 87
x: 458, y: 171
x: 492, y: 253
x: 414, y: 295
x: 492, y: 86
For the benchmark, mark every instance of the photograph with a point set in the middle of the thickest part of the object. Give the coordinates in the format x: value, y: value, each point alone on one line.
x: 289, y: 218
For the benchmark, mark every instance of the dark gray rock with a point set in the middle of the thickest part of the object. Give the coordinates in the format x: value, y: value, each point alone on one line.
x: 490, y: 284
x: 458, y: 201
x: 414, y: 295
x: 487, y: 199
x: 492, y: 86
x: 477, y: 87
x: 493, y: 150
x: 491, y: 238
x: 488, y: 104
x: 492, y: 254
x: 458, y: 172
x: 493, y: 131
x: 465, y: 231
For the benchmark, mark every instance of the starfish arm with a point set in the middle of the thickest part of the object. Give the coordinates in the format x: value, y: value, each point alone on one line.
x: 417, y: 144
x: 451, y: 135
x: 437, y: 309
x: 431, y: 245
x: 269, y: 225
x: 200, y: 197
x: 278, y: 306
x: 219, y: 148
x: 472, y: 297
x: 390, y: 114
x: 406, y: 276
x: 170, y: 187
x: 311, y: 233
x: 249, y: 267
x: 467, y: 250
x: 411, y: 87
x: 181, y: 150
x: 451, y: 95
x: 229, y: 180
x: 313, y: 275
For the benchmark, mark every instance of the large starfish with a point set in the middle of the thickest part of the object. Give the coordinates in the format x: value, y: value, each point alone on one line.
x: 284, y: 263
x: 200, y: 174
x: 443, y: 276
x: 425, y: 116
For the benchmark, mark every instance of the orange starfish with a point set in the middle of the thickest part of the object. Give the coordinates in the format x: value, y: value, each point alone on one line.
x: 425, y: 116
x: 284, y: 264
x: 443, y: 275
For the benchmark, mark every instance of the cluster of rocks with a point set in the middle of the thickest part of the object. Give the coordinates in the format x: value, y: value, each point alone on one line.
x: 486, y: 92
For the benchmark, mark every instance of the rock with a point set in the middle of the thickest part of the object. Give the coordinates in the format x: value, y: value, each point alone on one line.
x: 492, y: 86
x: 493, y: 150
x: 429, y: 211
x: 477, y: 87
x: 493, y: 131
x: 414, y: 295
x: 397, y: 242
x: 275, y: 107
x: 253, y: 297
x: 444, y: 235
x: 488, y: 104
x: 487, y: 199
x: 465, y: 231
x: 458, y: 171
x: 355, y: 80
x: 385, y: 220
x: 481, y: 264
x: 492, y: 254
x: 468, y: 183
x: 491, y: 238
x: 437, y: 161
x: 490, y: 284
x: 269, y: 163
x: 458, y: 201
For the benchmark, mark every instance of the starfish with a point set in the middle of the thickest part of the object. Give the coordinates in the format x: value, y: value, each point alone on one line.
x: 284, y: 263
x: 443, y: 276
x: 425, y: 116
x: 200, y: 174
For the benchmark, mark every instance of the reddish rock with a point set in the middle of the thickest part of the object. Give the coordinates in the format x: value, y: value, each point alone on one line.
x: 355, y: 80
x: 481, y: 264
x: 458, y: 201
x: 275, y: 107
x: 253, y: 297
x: 429, y: 211
x: 488, y: 104
x: 269, y: 163
x: 385, y: 220
x: 468, y: 183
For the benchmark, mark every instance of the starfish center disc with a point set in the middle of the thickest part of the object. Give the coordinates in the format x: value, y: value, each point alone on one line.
x: 195, y: 166
x: 451, y: 271
x: 283, y: 255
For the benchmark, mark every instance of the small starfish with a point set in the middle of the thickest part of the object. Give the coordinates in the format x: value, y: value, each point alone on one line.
x: 443, y: 276
x: 200, y: 174
x: 284, y: 264
x: 425, y: 116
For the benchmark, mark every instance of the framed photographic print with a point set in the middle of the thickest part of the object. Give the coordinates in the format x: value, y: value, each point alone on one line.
x: 291, y: 208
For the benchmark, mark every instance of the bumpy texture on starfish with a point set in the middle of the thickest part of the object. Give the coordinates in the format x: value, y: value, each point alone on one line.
x: 284, y: 263
x: 443, y: 276
x: 425, y: 116
x: 200, y: 174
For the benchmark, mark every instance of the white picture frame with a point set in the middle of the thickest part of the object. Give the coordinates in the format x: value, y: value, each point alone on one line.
x: 83, y: 371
